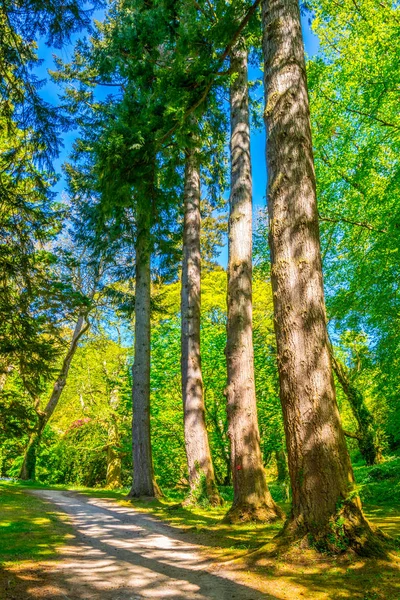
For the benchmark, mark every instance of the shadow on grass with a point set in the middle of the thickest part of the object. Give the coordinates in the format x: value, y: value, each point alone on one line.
x: 200, y: 526
x: 121, y: 554
x: 340, y: 578
x: 108, y: 550
x: 305, y: 575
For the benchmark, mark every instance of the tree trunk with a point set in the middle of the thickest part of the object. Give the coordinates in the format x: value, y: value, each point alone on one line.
x: 319, y: 464
x: 114, y: 461
x: 367, y: 437
x: 4, y: 372
x: 28, y: 469
x: 201, y: 471
x: 252, y: 499
x: 281, y: 465
x: 143, y: 478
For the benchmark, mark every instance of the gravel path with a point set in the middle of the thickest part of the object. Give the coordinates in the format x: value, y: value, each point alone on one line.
x: 122, y: 554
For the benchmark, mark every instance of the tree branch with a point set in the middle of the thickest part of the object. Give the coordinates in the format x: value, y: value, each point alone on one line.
x: 353, y: 436
x: 362, y: 114
x: 338, y: 219
x: 220, y: 62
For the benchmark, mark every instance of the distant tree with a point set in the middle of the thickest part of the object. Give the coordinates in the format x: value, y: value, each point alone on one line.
x: 86, y: 278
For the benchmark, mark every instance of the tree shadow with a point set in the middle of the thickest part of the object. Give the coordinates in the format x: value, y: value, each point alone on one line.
x: 122, y: 554
x: 333, y: 578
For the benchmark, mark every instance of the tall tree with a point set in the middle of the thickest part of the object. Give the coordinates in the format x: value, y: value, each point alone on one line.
x: 324, y: 503
x: 252, y: 499
x: 201, y: 471
x: 143, y: 483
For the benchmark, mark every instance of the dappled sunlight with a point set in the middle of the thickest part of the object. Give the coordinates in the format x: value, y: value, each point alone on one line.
x: 125, y: 551
x: 119, y: 552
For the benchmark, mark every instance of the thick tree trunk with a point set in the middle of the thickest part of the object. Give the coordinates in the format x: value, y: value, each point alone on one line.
x: 319, y: 464
x: 143, y: 478
x: 367, y: 436
x: 28, y: 469
x: 201, y: 471
x: 252, y: 499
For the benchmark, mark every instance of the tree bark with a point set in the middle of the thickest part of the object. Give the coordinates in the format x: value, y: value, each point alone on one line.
x: 114, y: 460
x: 201, y: 472
x: 143, y: 483
x: 367, y: 436
x: 319, y: 464
x: 252, y: 499
x: 28, y: 469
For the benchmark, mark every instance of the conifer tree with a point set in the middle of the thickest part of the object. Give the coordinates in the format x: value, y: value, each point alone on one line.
x: 200, y: 467
x: 252, y: 499
x: 325, y: 506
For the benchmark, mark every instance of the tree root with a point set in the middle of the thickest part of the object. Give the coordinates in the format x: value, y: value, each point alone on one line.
x: 347, y: 531
x: 242, y: 512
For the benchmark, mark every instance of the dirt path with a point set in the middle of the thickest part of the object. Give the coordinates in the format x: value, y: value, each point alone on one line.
x: 122, y: 554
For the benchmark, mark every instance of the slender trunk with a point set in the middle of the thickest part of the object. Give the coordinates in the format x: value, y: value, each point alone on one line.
x: 319, y: 464
x: 281, y: 465
x: 201, y: 471
x: 252, y: 499
x: 5, y: 371
x: 143, y: 478
x: 28, y: 469
x: 114, y: 461
x: 221, y: 442
x: 367, y: 436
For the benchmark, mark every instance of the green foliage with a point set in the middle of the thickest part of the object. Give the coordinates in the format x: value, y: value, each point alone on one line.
x: 380, y: 484
x: 353, y: 85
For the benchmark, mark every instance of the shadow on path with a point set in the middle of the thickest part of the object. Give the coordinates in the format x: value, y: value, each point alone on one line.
x: 121, y: 554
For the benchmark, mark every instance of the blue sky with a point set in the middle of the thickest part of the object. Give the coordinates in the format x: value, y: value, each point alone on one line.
x: 50, y: 92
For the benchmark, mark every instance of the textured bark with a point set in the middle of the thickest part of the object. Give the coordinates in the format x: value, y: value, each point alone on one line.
x: 201, y: 471
x: 319, y: 464
x: 252, y: 499
x: 143, y: 483
x: 28, y: 469
x: 368, y: 442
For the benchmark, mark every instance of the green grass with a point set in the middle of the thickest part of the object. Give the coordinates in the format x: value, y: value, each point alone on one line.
x: 30, y: 532
x: 379, y: 484
x: 29, y: 528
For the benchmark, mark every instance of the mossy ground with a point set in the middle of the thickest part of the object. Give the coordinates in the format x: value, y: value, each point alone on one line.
x: 243, y: 548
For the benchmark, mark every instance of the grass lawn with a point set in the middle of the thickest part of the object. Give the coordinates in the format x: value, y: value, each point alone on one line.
x: 30, y: 533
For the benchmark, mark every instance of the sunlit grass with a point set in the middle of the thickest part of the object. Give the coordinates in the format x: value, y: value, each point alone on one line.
x: 29, y: 529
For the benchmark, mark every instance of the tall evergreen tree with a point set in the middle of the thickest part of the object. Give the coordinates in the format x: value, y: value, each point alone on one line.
x: 319, y: 464
x: 200, y: 467
x: 252, y: 499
